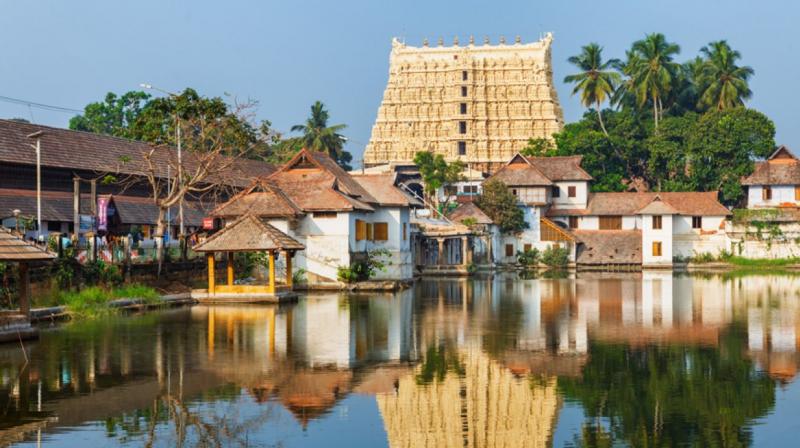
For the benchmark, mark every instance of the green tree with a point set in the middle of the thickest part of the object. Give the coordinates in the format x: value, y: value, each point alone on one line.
x: 596, y: 82
x: 724, y: 83
x: 116, y: 115
x: 652, y: 72
x: 436, y: 172
x: 318, y: 136
x: 500, y: 204
x: 722, y: 147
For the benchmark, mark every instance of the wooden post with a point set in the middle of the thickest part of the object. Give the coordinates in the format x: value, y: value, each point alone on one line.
x: 211, y: 279
x: 24, y: 290
x: 289, y: 256
x: 272, y: 271
x: 441, y: 258
x: 230, y: 268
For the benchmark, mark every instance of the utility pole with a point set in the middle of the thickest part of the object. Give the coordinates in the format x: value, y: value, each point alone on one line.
x: 38, y: 147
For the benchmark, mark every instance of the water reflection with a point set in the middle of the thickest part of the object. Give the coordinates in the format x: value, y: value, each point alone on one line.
x: 649, y: 359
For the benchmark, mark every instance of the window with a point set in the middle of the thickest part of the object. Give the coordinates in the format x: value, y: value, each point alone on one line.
x: 53, y: 226
x: 514, y: 191
x: 571, y: 192
x: 697, y: 222
x: 324, y: 214
x: 370, y: 231
x: 766, y: 193
x: 462, y: 127
x: 556, y: 192
x: 463, y: 90
x: 470, y: 189
x: 509, y: 250
x: 573, y: 222
x: 797, y: 192
x: 405, y: 232
x: 610, y: 222
x: 361, y: 230
x: 381, y: 231
x: 657, y: 222
x: 450, y: 190
x: 463, y: 108
x: 464, y: 75
x: 462, y: 148
x: 526, y: 247
x: 656, y: 248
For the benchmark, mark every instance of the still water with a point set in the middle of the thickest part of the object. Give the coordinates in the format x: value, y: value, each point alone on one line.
x: 599, y: 360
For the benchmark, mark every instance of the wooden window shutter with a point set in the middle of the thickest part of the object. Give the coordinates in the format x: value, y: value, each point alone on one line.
x: 656, y: 248
x: 361, y: 230
x: 797, y: 192
x: 405, y: 231
x: 370, y: 231
x: 509, y: 250
x: 381, y: 231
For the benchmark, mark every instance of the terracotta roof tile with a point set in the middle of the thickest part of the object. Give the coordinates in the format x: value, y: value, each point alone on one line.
x: 519, y: 172
x: 629, y: 203
x: 657, y: 207
x: 561, y: 168
x: 262, y: 198
x: 248, y: 233
x: 382, y: 188
x: 469, y: 210
x: 14, y: 248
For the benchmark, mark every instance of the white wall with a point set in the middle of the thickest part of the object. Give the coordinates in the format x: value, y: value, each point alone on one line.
x: 399, y: 265
x: 564, y: 201
x: 688, y: 242
x: 781, y: 194
x: 651, y: 235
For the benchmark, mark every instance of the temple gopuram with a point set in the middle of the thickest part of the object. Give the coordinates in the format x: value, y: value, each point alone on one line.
x: 478, y: 103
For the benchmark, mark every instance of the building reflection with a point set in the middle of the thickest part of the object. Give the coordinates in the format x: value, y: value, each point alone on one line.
x: 453, y: 361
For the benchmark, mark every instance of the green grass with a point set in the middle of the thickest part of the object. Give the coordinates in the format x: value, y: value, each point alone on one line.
x: 92, y: 303
x: 762, y: 262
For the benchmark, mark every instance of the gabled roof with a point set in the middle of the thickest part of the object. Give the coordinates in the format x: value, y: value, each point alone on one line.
x: 469, y: 210
x: 248, y: 233
x: 657, y: 207
x: 630, y: 203
x: 781, y: 168
x: 561, y: 168
x: 262, y: 198
x: 14, y: 248
x: 382, y: 188
x: 520, y: 172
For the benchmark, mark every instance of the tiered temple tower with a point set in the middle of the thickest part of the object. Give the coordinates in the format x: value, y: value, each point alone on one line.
x: 476, y: 103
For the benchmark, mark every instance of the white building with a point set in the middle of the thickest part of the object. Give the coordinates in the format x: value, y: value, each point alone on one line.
x: 775, y: 182
x: 338, y: 217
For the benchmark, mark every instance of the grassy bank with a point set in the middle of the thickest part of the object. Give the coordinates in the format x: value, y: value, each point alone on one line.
x: 94, y: 301
x: 762, y: 262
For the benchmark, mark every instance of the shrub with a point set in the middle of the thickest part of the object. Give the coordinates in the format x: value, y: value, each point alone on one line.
x: 99, y: 272
x: 556, y: 257
x: 528, y: 258
x: 299, y: 276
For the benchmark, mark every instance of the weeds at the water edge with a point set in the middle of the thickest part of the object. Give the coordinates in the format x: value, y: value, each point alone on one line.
x: 94, y: 302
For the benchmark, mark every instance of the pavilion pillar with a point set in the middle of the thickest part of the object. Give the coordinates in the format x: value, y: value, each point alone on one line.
x: 440, y: 258
x: 289, y: 256
x: 466, y: 256
x: 211, y: 276
x: 272, y: 271
x: 24, y: 290
x: 230, y: 268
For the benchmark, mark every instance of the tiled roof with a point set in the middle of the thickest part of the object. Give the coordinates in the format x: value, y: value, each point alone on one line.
x: 561, y: 168
x: 382, y: 188
x: 781, y: 168
x: 63, y: 148
x: 609, y: 246
x: 657, y: 207
x: 248, y: 233
x: 519, y: 172
x: 629, y: 203
x: 469, y: 210
x: 14, y: 248
x: 263, y: 198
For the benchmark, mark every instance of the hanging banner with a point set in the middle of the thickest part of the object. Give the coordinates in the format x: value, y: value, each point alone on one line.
x: 86, y: 223
x: 102, y: 213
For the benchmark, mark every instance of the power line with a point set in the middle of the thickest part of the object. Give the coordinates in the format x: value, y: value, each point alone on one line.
x: 30, y: 104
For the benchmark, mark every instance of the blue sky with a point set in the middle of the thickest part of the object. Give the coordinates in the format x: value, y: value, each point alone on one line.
x: 288, y: 54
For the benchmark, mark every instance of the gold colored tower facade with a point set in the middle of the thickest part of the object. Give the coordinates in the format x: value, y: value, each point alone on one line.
x: 476, y: 103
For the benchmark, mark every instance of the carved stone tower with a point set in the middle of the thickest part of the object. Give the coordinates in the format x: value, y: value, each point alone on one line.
x: 476, y: 103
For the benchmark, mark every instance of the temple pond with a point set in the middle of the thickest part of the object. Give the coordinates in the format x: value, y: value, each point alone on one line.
x: 647, y: 359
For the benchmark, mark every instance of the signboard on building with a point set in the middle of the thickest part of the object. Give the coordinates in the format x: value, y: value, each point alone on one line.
x: 102, y: 213
x: 86, y: 223
x: 208, y: 223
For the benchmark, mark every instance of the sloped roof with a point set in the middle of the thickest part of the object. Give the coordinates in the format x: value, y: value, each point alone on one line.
x: 64, y: 148
x: 629, y: 203
x: 469, y: 210
x: 14, y: 248
x: 262, y: 198
x: 382, y: 188
x: 609, y: 247
x: 248, y: 233
x: 139, y: 210
x: 561, y: 168
x: 520, y: 172
x: 781, y: 168
x: 657, y: 207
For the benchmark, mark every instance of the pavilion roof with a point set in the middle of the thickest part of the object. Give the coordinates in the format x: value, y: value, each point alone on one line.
x: 14, y: 248
x: 248, y: 234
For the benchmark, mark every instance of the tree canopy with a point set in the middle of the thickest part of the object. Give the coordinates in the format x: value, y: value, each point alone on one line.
x: 436, y: 172
x: 319, y: 136
x: 500, y: 204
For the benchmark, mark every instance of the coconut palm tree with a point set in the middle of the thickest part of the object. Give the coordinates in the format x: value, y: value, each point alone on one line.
x: 318, y: 136
x: 653, y: 72
x: 725, y: 83
x: 596, y: 83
